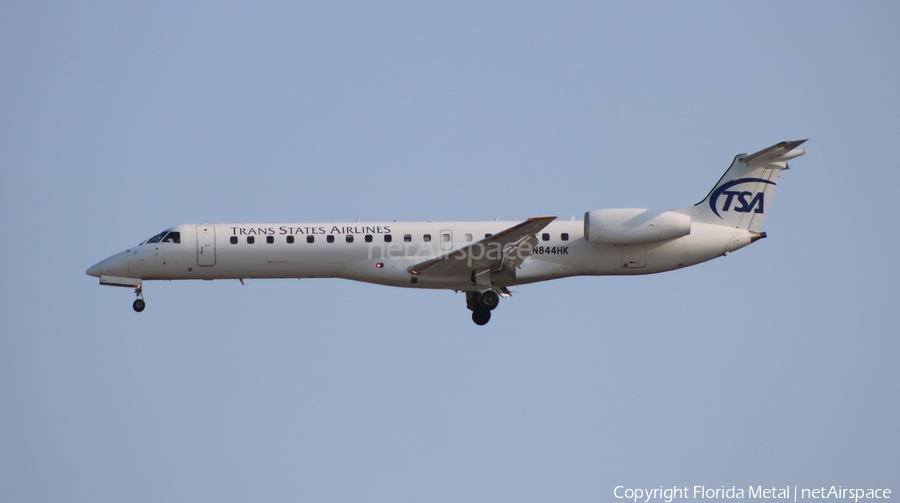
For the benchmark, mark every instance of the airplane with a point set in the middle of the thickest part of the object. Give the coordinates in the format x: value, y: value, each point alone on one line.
x: 482, y: 259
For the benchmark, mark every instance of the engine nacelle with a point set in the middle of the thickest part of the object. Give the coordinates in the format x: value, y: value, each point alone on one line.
x: 631, y: 226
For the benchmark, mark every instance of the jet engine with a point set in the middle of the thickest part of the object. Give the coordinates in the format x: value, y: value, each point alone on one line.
x: 630, y: 226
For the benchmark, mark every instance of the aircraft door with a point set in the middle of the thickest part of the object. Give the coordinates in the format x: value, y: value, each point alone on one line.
x: 206, y: 245
x: 446, y: 239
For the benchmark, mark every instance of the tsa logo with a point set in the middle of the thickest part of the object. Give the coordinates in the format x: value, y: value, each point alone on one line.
x: 736, y: 200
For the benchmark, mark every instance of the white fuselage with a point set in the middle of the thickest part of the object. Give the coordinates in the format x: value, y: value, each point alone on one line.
x: 479, y: 258
x: 383, y: 252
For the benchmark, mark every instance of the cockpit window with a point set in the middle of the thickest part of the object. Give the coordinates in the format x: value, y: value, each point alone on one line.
x: 165, y: 237
x: 157, y: 238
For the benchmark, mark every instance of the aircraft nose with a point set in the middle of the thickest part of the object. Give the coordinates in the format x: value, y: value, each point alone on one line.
x: 95, y: 269
x: 116, y: 265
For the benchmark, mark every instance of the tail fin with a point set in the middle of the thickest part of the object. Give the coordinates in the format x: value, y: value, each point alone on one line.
x: 741, y: 197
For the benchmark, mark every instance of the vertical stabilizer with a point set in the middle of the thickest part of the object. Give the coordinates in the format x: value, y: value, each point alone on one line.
x: 742, y: 196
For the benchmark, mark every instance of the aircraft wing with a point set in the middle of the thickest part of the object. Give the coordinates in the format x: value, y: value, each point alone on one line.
x: 506, y: 248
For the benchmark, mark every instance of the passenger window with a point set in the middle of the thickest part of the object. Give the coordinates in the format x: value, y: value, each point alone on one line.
x: 407, y: 238
x: 368, y: 238
x: 488, y: 235
x: 387, y: 238
x: 427, y: 237
x: 290, y: 239
x: 310, y: 239
x: 270, y: 239
x: 564, y: 236
x: 545, y: 236
x: 234, y: 240
x: 445, y: 238
x: 330, y: 239
x: 468, y: 237
x: 349, y: 238
x: 251, y: 240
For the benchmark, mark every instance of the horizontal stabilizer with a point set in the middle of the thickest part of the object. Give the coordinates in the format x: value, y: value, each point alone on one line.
x: 781, y: 152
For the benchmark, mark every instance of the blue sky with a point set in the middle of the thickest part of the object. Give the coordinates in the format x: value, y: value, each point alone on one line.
x: 773, y: 366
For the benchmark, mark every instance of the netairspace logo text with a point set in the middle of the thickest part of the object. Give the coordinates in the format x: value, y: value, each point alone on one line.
x: 786, y: 493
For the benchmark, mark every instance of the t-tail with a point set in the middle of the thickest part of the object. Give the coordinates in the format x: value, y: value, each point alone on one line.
x: 742, y: 196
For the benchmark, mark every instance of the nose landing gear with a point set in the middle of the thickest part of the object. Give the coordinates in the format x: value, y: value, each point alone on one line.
x: 139, y: 304
x: 481, y: 305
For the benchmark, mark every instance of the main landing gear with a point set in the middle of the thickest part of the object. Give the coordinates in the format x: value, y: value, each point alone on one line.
x: 481, y: 305
x: 139, y: 304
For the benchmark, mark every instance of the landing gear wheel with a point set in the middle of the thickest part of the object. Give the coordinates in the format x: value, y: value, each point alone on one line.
x: 139, y: 304
x: 490, y: 300
x: 481, y: 316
